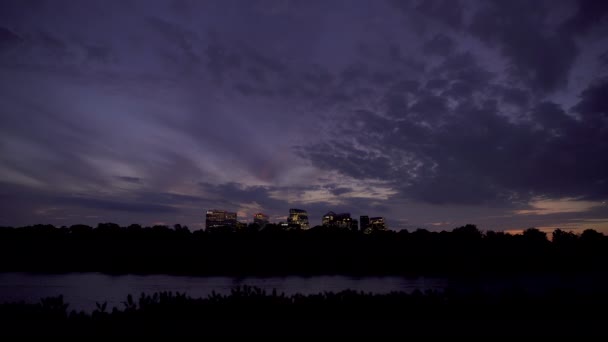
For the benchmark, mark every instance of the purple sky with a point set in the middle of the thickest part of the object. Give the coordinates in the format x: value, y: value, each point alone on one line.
x: 433, y: 114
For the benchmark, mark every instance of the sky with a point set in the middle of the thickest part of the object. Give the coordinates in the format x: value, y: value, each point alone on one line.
x: 433, y: 113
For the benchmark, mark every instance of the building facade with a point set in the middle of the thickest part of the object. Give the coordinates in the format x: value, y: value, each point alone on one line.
x: 298, y: 218
x: 260, y: 219
x: 363, y: 222
x: 217, y: 219
x: 342, y: 220
x: 377, y: 223
x: 354, y: 225
x: 328, y: 219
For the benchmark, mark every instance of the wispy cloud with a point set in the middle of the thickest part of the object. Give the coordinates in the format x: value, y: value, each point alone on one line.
x: 545, y: 206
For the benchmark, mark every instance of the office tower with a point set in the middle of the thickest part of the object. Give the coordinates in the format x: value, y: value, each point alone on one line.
x: 363, y: 223
x: 260, y: 219
x: 298, y: 218
x: 220, y: 219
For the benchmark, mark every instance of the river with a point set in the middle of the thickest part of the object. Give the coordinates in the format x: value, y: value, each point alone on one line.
x: 83, y: 290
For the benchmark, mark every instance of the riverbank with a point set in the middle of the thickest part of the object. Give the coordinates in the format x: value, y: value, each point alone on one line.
x: 248, y: 311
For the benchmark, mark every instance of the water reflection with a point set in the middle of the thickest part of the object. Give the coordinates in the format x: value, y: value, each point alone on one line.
x: 82, y: 290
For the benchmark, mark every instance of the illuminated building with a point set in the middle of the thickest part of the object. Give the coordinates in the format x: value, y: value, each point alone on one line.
x: 372, y: 224
x: 377, y: 223
x: 260, y: 219
x: 220, y: 219
x: 342, y: 220
x: 328, y: 219
x: 363, y: 222
x: 354, y: 225
x: 298, y: 218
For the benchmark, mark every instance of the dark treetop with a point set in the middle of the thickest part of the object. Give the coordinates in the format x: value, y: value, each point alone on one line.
x: 272, y: 251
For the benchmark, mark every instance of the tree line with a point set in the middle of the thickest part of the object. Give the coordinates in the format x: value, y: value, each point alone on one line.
x: 466, y: 250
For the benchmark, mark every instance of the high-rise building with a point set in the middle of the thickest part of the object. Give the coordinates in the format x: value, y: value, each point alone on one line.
x: 260, y: 219
x: 354, y: 225
x: 342, y: 220
x: 298, y: 218
x: 377, y: 223
x: 328, y: 219
x: 230, y: 219
x: 220, y: 219
x: 363, y: 222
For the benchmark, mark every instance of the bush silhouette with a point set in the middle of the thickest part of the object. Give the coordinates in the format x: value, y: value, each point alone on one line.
x: 250, y: 311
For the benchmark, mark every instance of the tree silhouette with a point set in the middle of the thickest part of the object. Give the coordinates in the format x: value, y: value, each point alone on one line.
x: 276, y: 250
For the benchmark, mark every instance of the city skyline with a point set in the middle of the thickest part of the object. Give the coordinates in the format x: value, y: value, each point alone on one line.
x: 296, y: 218
x: 431, y: 114
x: 303, y: 168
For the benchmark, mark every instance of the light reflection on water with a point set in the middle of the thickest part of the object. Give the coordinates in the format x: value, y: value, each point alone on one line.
x: 82, y: 290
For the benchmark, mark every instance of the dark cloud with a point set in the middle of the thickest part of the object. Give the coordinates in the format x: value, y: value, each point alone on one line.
x: 436, y: 83
x: 340, y: 191
x: 603, y: 58
x: 460, y: 89
x: 542, y: 58
x: 440, y: 44
x: 8, y: 39
x: 444, y: 12
x: 552, y: 117
x: 134, y: 207
x: 182, y: 45
x: 588, y: 14
x: 233, y: 193
x: 406, y: 86
x: 157, y: 110
x: 51, y: 42
x: 593, y: 106
x: 428, y: 107
x: 450, y: 13
x: 220, y: 61
x: 98, y: 53
x: 264, y: 62
x: 348, y: 160
x: 514, y: 96
x: 474, y: 152
x: 27, y: 206
x: 129, y: 179
x: 397, y: 104
x: 464, y: 67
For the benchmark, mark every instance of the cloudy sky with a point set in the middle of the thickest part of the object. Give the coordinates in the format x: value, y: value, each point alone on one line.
x: 431, y: 113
